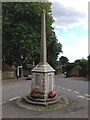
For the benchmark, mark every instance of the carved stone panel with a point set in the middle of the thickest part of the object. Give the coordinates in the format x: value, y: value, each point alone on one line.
x: 38, y: 80
x: 50, y: 81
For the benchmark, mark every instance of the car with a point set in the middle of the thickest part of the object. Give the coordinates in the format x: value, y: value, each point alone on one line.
x: 65, y: 73
x: 29, y: 77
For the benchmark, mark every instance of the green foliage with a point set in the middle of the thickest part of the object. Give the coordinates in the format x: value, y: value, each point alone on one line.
x: 79, y: 63
x: 69, y: 67
x: 82, y: 63
x: 89, y: 62
x: 58, y: 68
x: 21, y: 33
x: 63, y: 60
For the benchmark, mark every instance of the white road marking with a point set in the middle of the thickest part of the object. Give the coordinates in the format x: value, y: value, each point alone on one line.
x: 87, y: 95
x: 3, y: 103
x: 75, y: 91
x: 88, y: 98
x: 9, y: 100
x: 14, y: 98
x: 69, y: 90
x: 81, y: 96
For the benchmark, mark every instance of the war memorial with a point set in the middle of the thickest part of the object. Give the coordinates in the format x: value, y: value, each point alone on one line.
x: 42, y: 94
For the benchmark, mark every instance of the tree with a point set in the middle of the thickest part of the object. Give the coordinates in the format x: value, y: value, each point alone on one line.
x: 69, y: 67
x: 63, y: 60
x: 81, y: 62
x: 21, y: 24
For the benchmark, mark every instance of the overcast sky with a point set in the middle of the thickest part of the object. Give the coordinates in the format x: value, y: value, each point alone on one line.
x: 71, y: 27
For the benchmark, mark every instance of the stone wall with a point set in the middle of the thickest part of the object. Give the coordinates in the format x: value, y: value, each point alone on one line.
x: 8, y: 74
x: 8, y: 71
x: 73, y: 72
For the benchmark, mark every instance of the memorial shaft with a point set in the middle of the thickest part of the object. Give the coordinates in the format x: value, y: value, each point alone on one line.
x: 43, y: 54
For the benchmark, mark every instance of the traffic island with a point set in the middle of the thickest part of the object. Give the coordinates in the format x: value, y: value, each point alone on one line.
x: 50, y: 104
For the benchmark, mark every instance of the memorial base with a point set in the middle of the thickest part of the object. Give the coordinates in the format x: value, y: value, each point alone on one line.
x: 37, y: 104
x: 37, y: 101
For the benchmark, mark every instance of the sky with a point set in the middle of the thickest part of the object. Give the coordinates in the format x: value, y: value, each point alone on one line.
x: 71, y: 27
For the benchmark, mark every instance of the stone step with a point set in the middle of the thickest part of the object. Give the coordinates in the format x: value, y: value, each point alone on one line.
x: 41, y: 100
x: 42, y: 103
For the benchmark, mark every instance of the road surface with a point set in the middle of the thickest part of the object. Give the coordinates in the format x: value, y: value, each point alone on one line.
x: 75, y: 90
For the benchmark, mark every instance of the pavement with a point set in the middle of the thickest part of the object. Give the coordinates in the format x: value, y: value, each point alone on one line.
x: 12, y: 80
x: 78, y: 78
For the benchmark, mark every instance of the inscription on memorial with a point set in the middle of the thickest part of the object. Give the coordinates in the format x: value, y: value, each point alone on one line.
x: 50, y: 81
x: 38, y: 80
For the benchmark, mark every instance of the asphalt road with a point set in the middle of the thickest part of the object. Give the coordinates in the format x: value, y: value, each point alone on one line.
x: 75, y: 90
x: 72, y: 84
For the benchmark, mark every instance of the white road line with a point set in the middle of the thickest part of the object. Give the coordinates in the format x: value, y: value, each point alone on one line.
x: 75, y: 91
x: 88, y: 98
x: 3, y: 103
x: 81, y: 96
x: 14, y: 98
x: 68, y: 89
x: 9, y: 100
x: 86, y: 95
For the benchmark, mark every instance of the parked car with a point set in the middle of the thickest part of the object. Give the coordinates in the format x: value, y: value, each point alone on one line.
x: 29, y: 77
x: 65, y: 73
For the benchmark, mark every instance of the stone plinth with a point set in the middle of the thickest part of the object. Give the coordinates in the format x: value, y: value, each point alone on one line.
x: 38, y: 101
x: 42, y: 80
